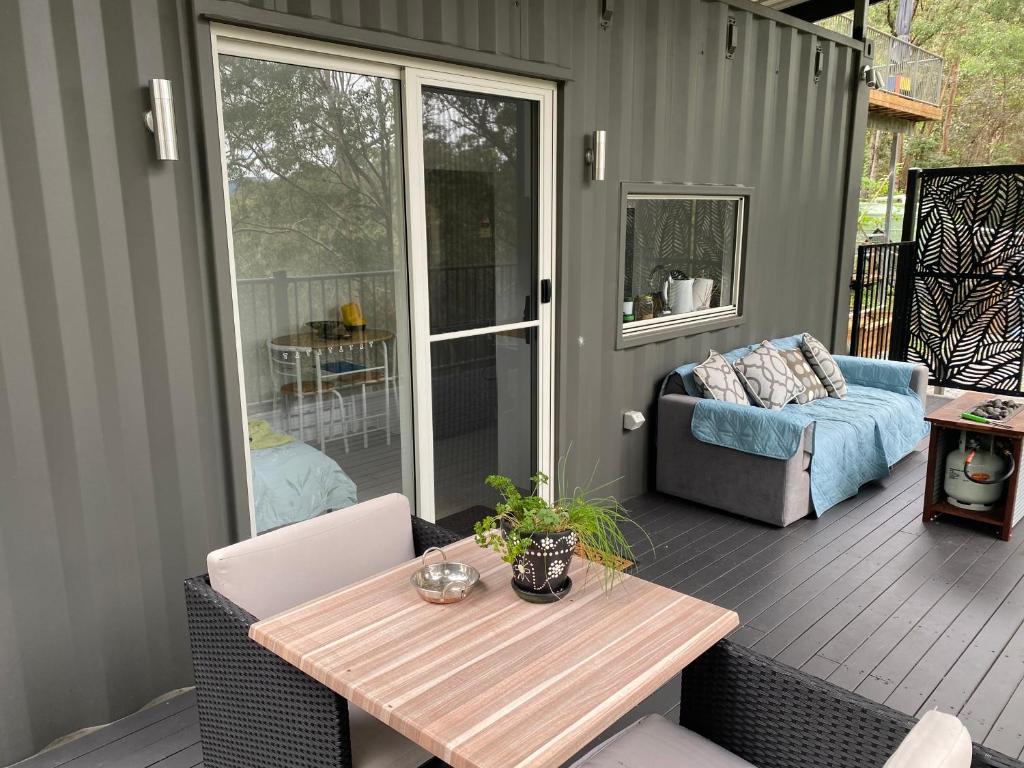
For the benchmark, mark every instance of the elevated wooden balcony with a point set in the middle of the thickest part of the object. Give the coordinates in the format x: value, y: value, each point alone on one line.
x: 909, y: 77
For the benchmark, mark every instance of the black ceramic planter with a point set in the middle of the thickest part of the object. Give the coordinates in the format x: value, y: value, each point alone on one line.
x: 544, y: 567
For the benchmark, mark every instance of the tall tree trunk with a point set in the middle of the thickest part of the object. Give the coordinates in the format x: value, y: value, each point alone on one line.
x: 947, y: 118
x: 875, y: 145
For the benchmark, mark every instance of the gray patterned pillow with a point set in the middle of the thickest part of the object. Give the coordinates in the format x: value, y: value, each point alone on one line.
x: 767, y: 377
x: 824, y: 366
x: 718, y: 380
x: 813, y: 388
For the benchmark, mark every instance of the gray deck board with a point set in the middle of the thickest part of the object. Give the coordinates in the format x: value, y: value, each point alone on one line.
x: 866, y: 596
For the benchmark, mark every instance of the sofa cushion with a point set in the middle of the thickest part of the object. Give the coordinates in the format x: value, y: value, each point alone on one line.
x: 824, y: 366
x: 654, y: 742
x: 767, y: 377
x: 813, y: 388
x: 291, y: 565
x: 939, y: 740
x: 684, y: 373
x: 718, y: 380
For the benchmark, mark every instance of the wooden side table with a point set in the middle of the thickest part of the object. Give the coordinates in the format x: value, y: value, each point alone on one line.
x: 945, y: 436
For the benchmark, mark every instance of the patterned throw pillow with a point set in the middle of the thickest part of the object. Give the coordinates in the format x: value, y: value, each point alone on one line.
x: 813, y: 388
x: 824, y: 366
x: 718, y: 380
x: 767, y: 377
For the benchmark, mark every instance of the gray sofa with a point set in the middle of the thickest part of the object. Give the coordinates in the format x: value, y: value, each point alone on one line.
x: 774, y: 491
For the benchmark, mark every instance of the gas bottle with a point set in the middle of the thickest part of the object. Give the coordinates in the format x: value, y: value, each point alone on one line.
x: 987, y: 467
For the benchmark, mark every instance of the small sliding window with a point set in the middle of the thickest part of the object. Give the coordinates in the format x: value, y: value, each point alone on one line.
x: 681, y: 256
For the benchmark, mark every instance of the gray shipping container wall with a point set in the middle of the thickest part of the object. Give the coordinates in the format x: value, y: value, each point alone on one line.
x: 114, y: 423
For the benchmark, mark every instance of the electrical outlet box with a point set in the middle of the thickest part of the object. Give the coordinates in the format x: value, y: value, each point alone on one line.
x: 632, y: 420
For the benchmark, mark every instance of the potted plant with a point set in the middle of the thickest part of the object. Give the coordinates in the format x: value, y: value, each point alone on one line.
x: 538, y: 539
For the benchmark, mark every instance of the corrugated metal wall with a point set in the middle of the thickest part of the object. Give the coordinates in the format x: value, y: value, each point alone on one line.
x: 113, y: 428
x: 677, y: 110
x: 110, y: 428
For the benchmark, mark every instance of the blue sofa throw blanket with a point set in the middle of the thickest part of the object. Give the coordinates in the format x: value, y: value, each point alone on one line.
x: 856, y: 440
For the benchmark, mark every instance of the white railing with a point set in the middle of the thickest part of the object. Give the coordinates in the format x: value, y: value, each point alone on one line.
x: 281, y: 304
x: 904, y: 69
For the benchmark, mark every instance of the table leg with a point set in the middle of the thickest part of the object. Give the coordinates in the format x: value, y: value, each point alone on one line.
x: 387, y: 395
x: 298, y: 396
x: 933, y: 458
x: 1013, y: 488
x: 319, y: 401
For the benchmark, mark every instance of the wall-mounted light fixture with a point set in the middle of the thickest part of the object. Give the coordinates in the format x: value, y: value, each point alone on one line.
x: 732, y: 37
x: 594, y: 154
x: 160, y: 119
x: 871, y: 77
x: 607, y: 11
x: 819, y: 63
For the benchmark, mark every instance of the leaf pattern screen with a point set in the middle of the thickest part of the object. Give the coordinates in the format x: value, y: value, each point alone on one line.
x: 967, y: 302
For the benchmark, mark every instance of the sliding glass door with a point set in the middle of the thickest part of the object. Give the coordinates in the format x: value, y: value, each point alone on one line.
x: 480, y: 193
x: 391, y: 248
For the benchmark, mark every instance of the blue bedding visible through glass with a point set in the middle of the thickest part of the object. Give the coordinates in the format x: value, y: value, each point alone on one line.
x: 341, y: 366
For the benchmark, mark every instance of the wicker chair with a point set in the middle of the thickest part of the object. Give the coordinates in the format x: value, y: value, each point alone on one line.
x: 255, y: 709
x: 774, y: 716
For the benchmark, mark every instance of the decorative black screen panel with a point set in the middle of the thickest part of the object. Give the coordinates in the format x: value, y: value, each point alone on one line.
x: 966, y: 314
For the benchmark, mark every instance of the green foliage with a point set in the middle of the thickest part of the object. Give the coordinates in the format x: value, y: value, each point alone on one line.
x: 313, y: 166
x: 518, y: 517
x: 983, y: 84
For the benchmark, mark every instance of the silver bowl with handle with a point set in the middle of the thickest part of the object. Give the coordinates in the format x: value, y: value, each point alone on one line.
x: 443, y: 582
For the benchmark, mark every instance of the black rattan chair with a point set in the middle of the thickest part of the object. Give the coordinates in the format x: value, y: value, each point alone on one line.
x: 255, y: 709
x: 777, y: 717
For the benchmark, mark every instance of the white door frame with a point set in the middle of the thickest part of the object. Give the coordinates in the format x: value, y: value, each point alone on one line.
x: 414, y: 73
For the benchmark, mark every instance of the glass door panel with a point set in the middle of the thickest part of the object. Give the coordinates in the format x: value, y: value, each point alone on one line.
x: 315, y: 184
x: 479, y: 177
x: 480, y: 164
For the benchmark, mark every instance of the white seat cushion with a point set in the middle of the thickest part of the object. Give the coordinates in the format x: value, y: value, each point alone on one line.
x: 376, y: 745
x: 292, y: 565
x: 939, y: 740
x: 654, y: 742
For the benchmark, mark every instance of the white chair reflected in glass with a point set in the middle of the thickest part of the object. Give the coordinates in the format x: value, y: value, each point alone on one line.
x: 294, y: 391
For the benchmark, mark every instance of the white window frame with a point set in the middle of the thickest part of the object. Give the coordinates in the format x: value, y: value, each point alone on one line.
x: 414, y: 73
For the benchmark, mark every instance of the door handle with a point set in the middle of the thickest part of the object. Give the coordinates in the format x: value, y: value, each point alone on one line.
x: 545, y: 291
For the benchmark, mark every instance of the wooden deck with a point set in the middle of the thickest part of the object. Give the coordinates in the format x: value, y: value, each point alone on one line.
x: 916, y: 616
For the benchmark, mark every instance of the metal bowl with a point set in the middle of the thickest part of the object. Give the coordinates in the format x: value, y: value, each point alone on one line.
x: 443, y: 582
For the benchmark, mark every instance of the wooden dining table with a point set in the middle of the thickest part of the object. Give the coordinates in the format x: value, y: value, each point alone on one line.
x: 493, y: 681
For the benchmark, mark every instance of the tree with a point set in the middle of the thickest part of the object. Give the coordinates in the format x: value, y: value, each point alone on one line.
x: 983, y: 92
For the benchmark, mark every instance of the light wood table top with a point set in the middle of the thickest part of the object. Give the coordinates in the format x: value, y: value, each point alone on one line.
x: 494, y: 681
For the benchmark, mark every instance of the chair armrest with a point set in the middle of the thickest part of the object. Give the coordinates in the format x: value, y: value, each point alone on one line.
x: 777, y: 717
x: 893, y: 375
x: 426, y: 535
x: 254, y: 707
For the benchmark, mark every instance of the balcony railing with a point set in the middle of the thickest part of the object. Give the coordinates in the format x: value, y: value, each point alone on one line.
x: 904, y: 69
x: 283, y: 303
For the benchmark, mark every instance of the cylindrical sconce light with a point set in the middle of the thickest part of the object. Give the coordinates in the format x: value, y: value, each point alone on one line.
x: 160, y: 119
x: 594, y: 156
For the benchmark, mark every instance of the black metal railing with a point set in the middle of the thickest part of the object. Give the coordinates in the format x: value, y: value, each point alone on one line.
x: 879, y: 298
